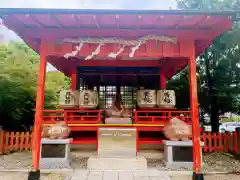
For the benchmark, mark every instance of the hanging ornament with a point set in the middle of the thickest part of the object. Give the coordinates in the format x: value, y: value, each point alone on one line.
x: 74, y: 53
x: 134, y: 49
x: 114, y: 55
x: 96, y: 52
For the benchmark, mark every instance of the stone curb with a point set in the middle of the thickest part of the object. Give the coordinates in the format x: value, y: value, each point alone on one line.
x: 169, y: 173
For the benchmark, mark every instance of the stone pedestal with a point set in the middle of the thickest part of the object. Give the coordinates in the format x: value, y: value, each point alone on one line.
x: 117, y: 142
x: 178, y: 154
x: 118, y: 120
x: 117, y: 151
x: 55, y: 153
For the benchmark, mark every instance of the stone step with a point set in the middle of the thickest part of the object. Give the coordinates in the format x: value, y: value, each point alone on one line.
x: 96, y: 163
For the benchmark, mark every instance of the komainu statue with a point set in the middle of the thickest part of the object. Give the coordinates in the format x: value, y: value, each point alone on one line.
x: 177, y: 130
x: 58, y: 131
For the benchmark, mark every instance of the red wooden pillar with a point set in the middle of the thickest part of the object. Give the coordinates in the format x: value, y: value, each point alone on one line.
x: 194, y: 112
x: 73, y: 88
x: 39, y: 108
x: 74, y: 80
x: 163, y: 85
x: 163, y: 80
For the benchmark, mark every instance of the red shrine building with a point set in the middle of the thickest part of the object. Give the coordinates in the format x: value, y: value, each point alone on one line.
x: 131, y: 53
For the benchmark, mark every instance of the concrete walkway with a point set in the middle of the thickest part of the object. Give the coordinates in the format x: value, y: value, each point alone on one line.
x: 117, y: 175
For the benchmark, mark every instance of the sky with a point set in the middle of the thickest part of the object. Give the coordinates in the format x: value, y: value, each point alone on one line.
x: 90, y: 4
x: 82, y: 4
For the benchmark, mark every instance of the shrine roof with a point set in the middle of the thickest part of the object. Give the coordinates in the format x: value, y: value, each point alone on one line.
x: 32, y: 25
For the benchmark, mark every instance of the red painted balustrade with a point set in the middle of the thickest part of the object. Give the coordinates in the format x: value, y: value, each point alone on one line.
x: 160, y: 116
x: 76, y: 116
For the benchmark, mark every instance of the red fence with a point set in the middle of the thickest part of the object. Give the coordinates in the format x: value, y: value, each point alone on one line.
x: 222, y: 142
x: 15, y: 141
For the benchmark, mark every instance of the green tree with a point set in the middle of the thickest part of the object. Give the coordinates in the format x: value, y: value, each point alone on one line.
x: 209, y: 4
x: 219, y: 65
x: 18, y: 81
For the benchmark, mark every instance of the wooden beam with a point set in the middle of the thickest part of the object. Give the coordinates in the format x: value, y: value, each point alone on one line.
x: 52, y: 34
x: 117, y: 63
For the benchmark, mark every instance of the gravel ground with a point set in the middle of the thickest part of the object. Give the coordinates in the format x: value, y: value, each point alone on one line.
x: 212, y: 162
x: 218, y: 162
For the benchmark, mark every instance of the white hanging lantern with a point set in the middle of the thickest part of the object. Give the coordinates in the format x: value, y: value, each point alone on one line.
x: 88, y: 99
x: 146, y: 98
x: 166, y: 98
x: 68, y: 98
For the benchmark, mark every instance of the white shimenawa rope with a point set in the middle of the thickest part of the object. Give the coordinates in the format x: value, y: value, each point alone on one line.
x: 102, y: 41
x: 74, y: 53
x: 114, y: 55
x: 96, y: 52
x: 134, y: 49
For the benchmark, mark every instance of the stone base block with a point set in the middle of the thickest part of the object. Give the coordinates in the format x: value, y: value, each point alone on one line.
x: 55, y: 153
x: 177, y: 165
x: 179, y: 154
x: 96, y: 163
x: 55, y: 164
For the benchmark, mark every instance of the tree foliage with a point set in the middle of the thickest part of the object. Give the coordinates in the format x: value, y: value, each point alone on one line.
x: 219, y: 69
x: 18, y: 81
x: 209, y: 4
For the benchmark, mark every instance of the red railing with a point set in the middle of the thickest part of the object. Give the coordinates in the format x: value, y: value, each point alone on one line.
x: 84, y: 116
x: 156, y: 116
x: 81, y: 116
x: 15, y: 141
x: 221, y: 142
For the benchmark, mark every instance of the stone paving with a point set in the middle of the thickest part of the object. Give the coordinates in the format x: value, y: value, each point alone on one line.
x: 92, y: 175
x: 112, y: 175
x: 118, y: 175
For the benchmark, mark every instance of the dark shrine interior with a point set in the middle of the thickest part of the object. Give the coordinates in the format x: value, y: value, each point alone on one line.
x: 111, y: 81
x: 147, y: 77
